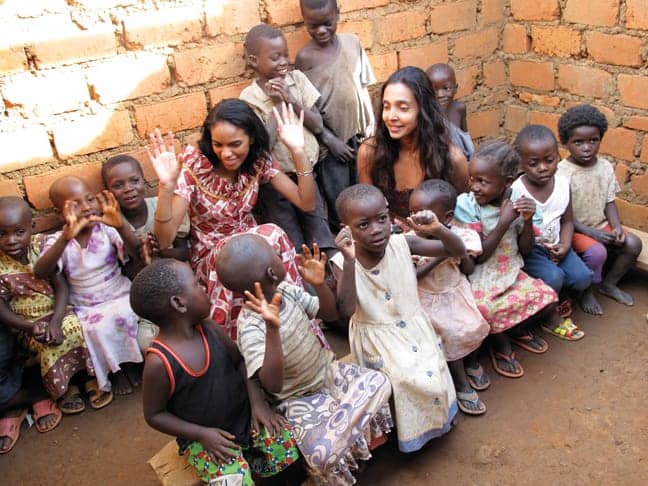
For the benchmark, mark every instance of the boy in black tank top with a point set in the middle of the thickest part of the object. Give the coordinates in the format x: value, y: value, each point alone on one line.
x: 195, y: 385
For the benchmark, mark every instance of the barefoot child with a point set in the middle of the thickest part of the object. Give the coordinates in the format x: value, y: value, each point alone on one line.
x: 38, y: 309
x: 339, y: 68
x: 389, y: 331
x: 446, y: 297
x: 87, y: 251
x: 195, y: 385
x: 266, y: 52
x: 552, y: 258
x: 505, y: 295
x: 336, y: 409
x: 598, y: 230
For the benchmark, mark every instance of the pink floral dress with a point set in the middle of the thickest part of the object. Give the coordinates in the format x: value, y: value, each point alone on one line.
x: 505, y: 295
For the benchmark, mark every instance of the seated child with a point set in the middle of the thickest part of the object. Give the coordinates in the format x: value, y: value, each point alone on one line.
x: 267, y: 53
x: 195, y: 385
x: 598, y: 230
x: 389, y: 331
x: 336, y: 409
x: 444, y: 83
x: 339, y: 68
x: 505, y: 295
x: 552, y: 259
x: 38, y: 309
x: 447, y: 299
x: 87, y: 251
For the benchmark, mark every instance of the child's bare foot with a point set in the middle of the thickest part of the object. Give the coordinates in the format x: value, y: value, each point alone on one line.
x: 120, y: 384
x: 615, y: 293
x: 589, y: 303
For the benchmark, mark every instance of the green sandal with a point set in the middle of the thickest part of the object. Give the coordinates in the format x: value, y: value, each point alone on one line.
x: 567, y: 330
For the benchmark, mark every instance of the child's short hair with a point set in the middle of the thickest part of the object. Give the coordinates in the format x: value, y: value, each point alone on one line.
x: 439, y: 67
x: 153, y: 287
x: 502, y: 154
x: 533, y: 132
x: 353, y: 193
x: 317, y: 4
x: 116, y: 160
x: 439, y: 188
x: 243, y: 260
x: 15, y: 202
x: 257, y: 34
x: 58, y: 185
x: 579, y: 116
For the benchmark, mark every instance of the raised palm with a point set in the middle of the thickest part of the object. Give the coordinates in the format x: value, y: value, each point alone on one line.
x: 161, y: 152
x: 269, y: 311
x: 111, y: 214
x: 73, y: 223
x: 290, y: 127
x: 312, y: 266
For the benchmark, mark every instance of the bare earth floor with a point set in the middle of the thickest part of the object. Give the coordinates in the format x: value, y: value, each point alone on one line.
x: 578, y: 416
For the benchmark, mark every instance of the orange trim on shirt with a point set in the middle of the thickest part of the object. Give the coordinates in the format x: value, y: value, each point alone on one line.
x: 184, y: 365
x: 167, y: 365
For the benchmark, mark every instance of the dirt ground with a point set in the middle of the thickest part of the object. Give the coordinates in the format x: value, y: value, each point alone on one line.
x: 578, y: 416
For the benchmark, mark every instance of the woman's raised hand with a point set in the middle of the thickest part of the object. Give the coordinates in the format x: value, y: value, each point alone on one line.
x: 161, y: 152
x: 290, y: 127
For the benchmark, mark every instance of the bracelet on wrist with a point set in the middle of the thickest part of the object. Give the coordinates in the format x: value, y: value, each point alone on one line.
x: 304, y: 173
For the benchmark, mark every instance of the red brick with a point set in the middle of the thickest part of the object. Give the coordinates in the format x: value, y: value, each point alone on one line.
x: 516, y: 40
x: 180, y: 113
x: 92, y: 133
x: 479, y: 44
x: 639, y: 185
x: 9, y: 188
x: 636, y: 14
x: 644, y: 150
x: 555, y: 41
x: 467, y: 80
x: 231, y: 18
x: 538, y: 99
x: 592, y: 12
x: 227, y: 91
x: 451, y: 17
x: 147, y: 74
x: 281, y: 12
x: 515, y: 118
x: 424, y: 56
x: 37, y: 186
x: 549, y: 120
x: 621, y: 171
x: 494, y: 74
x: 537, y: 10
x: 401, y: 26
x: 295, y: 41
x: 24, y: 148
x: 383, y: 65
x: 170, y: 26
x: 633, y: 90
x: 623, y: 50
x: 585, y: 81
x: 12, y: 58
x: 48, y: 93
x: 362, y: 28
x: 350, y: 5
x: 492, y: 10
x: 619, y: 143
x: 47, y: 223
x: 206, y: 64
x: 531, y: 74
x: 484, y: 123
x: 633, y: 215
x: 637, y: 123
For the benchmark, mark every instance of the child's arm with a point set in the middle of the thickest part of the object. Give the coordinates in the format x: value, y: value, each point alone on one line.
x: 612, y: 215
x: 14, y: 321
x: 508, y: 214
x: 425, y: 224
x: 338, y: 148
x: 346, y: 288
x: 156, y: 388
x: 425, y: 268
x: 312, y: 117
x: 526, y: 207
x: 112, y: 216
x: 560, y: 249
x: 271, y: 373
x: 61, y: 299
x: 312, y: 268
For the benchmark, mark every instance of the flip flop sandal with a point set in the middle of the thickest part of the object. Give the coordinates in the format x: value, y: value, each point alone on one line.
x: 71, y: 402
x: 477, y: 378
x: 525, y: 341
x: 98, y: 398
x: 472, y: 398
x: 567, y: 330
x: 564, y: 308
x: 10, y: 428
x: 509, y: 358
x: 44, y: 408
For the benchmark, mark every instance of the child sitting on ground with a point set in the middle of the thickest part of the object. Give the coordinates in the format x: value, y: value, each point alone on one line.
x: 267, y: 53
x: 195, y: 385
x: 389, y: 331
x: 339, y: 68
x: 552, y: 258
x: 316, y: 393
x: 447, y: 299
x: 505, y: 295
x: 594, y: 187
x: 444, y: 82
x: 38, y: 309
x: 87, y: 251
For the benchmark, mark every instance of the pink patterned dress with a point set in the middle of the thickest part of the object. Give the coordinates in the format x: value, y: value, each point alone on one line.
x: 219, y: 209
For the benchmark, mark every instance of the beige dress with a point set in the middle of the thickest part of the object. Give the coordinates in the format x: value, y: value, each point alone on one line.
x: 390, y: 332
